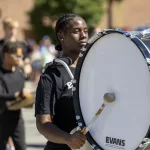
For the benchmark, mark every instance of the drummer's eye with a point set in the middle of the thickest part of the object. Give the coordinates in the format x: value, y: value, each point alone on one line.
x: 76, y: 31
x: 79, y: 30
x: 86, y: 31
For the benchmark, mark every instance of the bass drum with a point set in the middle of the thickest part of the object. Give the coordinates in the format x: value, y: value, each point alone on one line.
x: 115, y: 62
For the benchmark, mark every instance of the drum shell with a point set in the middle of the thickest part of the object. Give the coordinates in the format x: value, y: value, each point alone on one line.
x: 84, y: 52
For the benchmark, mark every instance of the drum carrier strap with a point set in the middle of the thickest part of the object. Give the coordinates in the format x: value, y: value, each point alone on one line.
x: 56, y: 66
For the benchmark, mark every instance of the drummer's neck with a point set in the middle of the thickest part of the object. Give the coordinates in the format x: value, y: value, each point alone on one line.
x: 74, y: 58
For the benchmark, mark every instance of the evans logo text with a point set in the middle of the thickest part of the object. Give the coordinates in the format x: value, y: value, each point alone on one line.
x: 115, y: 141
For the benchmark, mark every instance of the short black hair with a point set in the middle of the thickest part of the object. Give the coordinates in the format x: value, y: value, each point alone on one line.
x: 62, y: 24
x: 10, y: 47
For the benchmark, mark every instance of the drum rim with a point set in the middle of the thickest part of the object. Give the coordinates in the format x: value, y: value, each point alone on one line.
x: 84, y: 51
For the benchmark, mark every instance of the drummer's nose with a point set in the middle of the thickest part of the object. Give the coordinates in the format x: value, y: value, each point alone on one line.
x: 83, y: 34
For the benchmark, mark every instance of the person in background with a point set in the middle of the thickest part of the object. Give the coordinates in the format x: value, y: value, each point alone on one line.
x: 93, y: 29
x: 10, y: 28
x: 36, y: 61
x: 48, y: 52
x: 11, y: 89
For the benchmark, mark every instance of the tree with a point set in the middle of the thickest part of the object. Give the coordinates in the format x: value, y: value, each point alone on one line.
x: 45, y: 13
x: 109, y: 11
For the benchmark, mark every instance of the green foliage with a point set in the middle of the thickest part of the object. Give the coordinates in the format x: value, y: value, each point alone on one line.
x: 116, y: 0
x: 91, y: 11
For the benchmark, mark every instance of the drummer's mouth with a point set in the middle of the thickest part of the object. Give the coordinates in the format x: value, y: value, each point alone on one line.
x: 82, y: 43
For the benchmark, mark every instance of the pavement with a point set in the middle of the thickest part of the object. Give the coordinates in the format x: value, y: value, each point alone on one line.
x: 34, y: 140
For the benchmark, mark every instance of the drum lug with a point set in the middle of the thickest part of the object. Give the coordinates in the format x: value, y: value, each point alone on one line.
x: 73, y: 81
x: 95, y: 147
x: 148, y: 61
x: 99, y: 34
x: 83, y: 49
x: 80, y: 55
x: 145, y: 144
x: 132, y: 36
x: 77, y: 117
x: 80, y: 124
x: 104, y: 32
x: 127, y: 34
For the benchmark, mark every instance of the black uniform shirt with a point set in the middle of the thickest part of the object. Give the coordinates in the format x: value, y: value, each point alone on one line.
x: 54, y: 96
x: 10, y: 82
x: 1, y: 46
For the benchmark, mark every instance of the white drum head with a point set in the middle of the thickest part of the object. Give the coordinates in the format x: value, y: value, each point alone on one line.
x: 115, y: 64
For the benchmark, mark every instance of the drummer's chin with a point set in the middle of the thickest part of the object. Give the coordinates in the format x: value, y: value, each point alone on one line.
x: 83, y: 45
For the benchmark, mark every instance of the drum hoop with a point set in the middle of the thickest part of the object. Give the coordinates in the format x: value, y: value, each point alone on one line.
x: 79, y: 117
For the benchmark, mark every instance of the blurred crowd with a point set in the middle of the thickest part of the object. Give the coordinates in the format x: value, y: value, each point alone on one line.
x: 35, y: 54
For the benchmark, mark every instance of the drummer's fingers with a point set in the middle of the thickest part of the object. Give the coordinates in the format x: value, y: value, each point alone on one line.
x: 82, y: 143
x: 82, y: 136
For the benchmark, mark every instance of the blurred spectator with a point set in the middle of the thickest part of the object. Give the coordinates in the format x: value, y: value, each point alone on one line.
x: 10, y: 28
x: 11, y: 88
x: 47, y: 49
x: 36, y: 61
x: 35, y: 53
x: 93, y: 30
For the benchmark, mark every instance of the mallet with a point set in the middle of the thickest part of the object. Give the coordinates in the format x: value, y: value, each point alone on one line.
x: 108, y: 98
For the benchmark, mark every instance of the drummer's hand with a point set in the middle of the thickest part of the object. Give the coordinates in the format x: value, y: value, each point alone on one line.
x: 77, y: 140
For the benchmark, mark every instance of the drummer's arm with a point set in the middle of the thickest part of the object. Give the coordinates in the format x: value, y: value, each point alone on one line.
x: 50, y: 131
x: 44, y: 111
x: 44, y: 106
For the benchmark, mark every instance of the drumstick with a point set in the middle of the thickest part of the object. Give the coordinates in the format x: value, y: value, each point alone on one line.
x: 108, y: 98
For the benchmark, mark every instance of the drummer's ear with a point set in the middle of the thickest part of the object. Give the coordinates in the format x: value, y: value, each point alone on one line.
x: 60, y: 36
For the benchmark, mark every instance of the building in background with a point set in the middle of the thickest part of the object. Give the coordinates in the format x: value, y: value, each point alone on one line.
x: 128, y: 14
x: 17, y: 9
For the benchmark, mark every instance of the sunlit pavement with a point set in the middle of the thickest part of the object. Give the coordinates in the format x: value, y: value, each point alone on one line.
x: 34, y: 140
